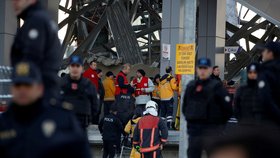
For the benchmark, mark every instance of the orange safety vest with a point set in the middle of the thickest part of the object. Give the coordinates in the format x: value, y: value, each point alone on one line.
x: 120, y: 90
x: 140, y: 85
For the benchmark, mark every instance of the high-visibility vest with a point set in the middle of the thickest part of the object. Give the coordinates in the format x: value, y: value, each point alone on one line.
x: 120, y: 90
x: 140, y: 85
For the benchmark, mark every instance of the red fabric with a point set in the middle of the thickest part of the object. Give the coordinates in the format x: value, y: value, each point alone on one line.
x: 118, y: 89
x: 148, y: 122
x: 92, y: 76
x: 141, y: 85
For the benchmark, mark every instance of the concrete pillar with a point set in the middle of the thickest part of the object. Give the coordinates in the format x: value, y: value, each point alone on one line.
x: 172, y: 29
x: 189, y: 38
x: 211, y: 31
x: 52, y: 7
x: 8, y: 26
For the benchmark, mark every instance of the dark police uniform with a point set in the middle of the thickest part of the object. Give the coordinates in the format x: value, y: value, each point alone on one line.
x: 111, y: 129
x: 269, y: 88
x: 247, y: 106
x: 37, y: 41
x: 269, y: 85
x: 39, y: 130
x: 82, y: 98
x: 207, y: 108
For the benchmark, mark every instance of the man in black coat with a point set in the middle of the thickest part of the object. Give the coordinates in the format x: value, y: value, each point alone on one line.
x: 79, y: 93
x: 37, y: 41
x: 269, y: 77
x: 206, y: 108
x: 32, y: 128
x: 247, y: 105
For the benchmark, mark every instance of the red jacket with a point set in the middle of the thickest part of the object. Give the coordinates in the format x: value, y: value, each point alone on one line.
x: 121, y: 87
x: 140, y: 85
x: 150, y: 133
x: 92, y: 76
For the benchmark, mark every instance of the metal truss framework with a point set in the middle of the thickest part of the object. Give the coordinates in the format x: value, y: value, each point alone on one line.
x: 100, y: 25
x: 248, y: 54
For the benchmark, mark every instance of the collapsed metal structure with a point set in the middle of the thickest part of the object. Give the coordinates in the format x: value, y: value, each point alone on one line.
x: 100, y: 25
x: 130, y: 30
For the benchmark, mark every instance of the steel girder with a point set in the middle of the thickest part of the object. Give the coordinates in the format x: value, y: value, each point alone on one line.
x: 85, y: 23
x: 247, y: 54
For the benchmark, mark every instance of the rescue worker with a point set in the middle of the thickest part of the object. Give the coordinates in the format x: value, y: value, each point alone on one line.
x: 110, y: 89
x: 216, y: 73
x: 37, y: 41
x: 150, y: 133
x: 129, y: 129
x: 156, y: 91
x: 143, y: 87
x: 101, y: 92
x: 124, y: 99
x: 79, y: 93
x: 248, y: 109
x: 206, y: 107
x: 111, y: 129
x: 167, y: 87
x: 122, y: 85
x: 269, y: 86
x: 91, y: 73
x: 32, y: 128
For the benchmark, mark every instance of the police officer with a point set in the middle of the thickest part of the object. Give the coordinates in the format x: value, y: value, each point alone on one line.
x: 248, y: 109
x: 206, y: 108
x: 269, y: 77
x: 31, y: 128
x: 111, y: 129
x: 150, y: 133
x: 79, y: 93
x: 37, y: 41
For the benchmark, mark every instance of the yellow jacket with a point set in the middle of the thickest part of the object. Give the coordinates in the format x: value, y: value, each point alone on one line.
x: 129, y: 129
x: 156, y: 92
x: 167, y: 87
x: 109, y: 87
x: 130, y: 126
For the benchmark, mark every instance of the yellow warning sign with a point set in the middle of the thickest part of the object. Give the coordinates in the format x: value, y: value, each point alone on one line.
x: 185, y: 59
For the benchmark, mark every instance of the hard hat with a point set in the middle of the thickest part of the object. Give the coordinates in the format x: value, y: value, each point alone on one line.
x: 151, y: 104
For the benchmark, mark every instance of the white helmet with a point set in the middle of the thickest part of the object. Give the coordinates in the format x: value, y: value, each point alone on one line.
x: 151, y: 108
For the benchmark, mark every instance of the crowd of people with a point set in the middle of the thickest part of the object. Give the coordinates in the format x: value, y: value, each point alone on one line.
x: 208, y: 107
x: 48, y: 116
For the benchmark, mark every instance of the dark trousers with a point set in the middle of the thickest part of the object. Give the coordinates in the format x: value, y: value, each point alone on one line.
x: 107, y: 106
x: 155, y: 154
x: 198, y: 133
x: 158, y: 103
x: 110, y: 148
x: 167, y: 111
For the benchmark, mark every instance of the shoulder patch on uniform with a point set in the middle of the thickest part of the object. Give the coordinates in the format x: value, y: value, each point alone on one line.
x: 67, y: 106
x: 227, y: 99
x: 33, y: 34
x: 48, y: 128
x: 261, y: 84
